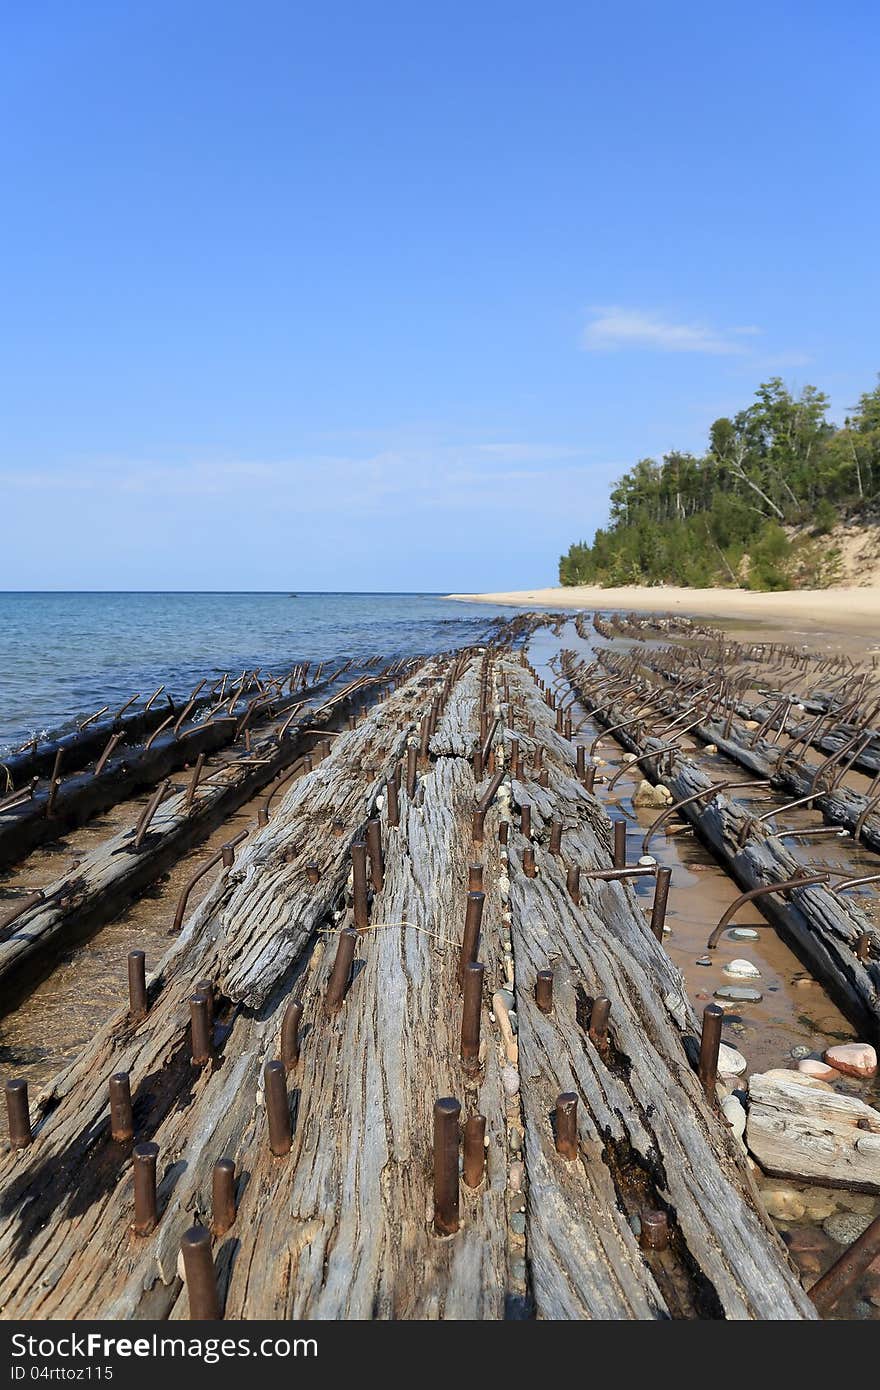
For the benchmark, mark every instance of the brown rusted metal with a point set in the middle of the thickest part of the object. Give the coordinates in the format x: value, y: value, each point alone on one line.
x: 471, y: 935
x: 223, y: 1196
x: 290, y: 1026
x: 573, y: 883
x: 200, y: 1276
x: 695, y: 796
x: 566, y: 1125
x: 201, y: 1031
x: 412, y: 758
x: 144, y: 1157
x: 18, y: 1113
x: 528, y: 861
x: 661, y: 898
x: 446, y: 1119
x: 849, y: 1267
x: 802, y: 881
x: 340, y: 975
x: 654, y: 1234
x: 710, y: 1045
x: 149, y: 811
x: 225, y: 853
x: 544, y: 991
x: 474, y: 1150
x: 121, y: 1114
x: 277, y: 1108
x: 471, y: 1015
x: 20, y: 906
x: 619, y: 844
x: 137, y: 984
x: 599, y: 1022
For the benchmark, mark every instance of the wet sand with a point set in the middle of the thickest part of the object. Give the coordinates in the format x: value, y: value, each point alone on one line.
x: 854, y: 611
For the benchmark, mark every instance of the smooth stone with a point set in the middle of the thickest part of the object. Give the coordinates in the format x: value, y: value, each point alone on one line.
x: 507, y: 997
x: 518, y: 1223
x: 857, y: 1201
x: 819, y: 1206
x: 704, y: 960
x: 742, y: 969
x: 799, y: 1051
x: 853, y: 1059
x: 743, y: 934
x: 811, y: 1066
x: 783, y: 1203
x: 798, y: 1078
x: 847, y: 1226
x: 510, y: 1080
x: 730, y: 1062
x: 739, y: 993
x: 516, y: 1176
x: 518, y: 1270
x: 735, y: 1115
x: 515, y: 1139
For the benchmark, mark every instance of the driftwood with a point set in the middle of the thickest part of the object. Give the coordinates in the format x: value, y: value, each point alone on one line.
x: 823, y: 927
x: 117, y: 870
x: 130, y: 769
x: 647, y: 1138
x: 66, y: 1249
x: 813, y: 1135
x: 341, y: 1226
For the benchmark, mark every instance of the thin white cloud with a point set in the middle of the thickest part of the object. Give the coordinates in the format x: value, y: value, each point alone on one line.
x: 613, y: 328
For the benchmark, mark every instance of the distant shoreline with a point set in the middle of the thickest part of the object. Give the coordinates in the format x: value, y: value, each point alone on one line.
x: 855, y: 610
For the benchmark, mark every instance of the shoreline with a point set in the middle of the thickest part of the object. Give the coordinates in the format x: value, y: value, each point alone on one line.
x: 856, y: 610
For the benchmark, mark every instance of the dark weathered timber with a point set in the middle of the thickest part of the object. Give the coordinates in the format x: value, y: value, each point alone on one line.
x: 647, y: 1137
x: 822, y: 926
x: 64, y: 1216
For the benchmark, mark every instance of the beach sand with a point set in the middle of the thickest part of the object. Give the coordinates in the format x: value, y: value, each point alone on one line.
x: 854, y: 611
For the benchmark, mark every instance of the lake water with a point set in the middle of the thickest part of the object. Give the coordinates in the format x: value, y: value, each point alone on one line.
x: 64, y: 655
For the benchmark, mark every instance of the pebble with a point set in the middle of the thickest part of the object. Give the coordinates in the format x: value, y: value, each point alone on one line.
x: 735, y: 1115
x: 853, y: 1059
x: 515, y: 1139
x: 518, y: 1270
x: 847, y: 1226
x: 518, y: 1224
x: 516, y: 1176
x: 740, y: 993
x: 507, y: 997
x: 743, y: 934
x: 811, y: 1066
x: 704, y: 960
x: 510, y: 1080
x: 513, y: 1021
x: 730, y: 1062
x: 742, y: 969
x: 784, y: 1203
x: 798, y: 1077
x: 799, y: 1051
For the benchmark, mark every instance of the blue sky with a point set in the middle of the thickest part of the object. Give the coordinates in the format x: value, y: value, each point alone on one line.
x: 380, y: 296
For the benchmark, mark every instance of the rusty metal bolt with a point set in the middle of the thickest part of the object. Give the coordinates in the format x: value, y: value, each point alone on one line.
x: 144, y: 1158
x: 446, y: 1116
x: 341, y: 973
x: 474, y: 1150
x: 137, y: 984
x: 544, y: 991
x: 223, y: 1196
x: 290, y: 1025
x: 18, y: 1113
x: 201, y: 1279
x: 471, y: 1015
x: 566, y: 1125
x: 277, y: 1108
x: 121, y: 1114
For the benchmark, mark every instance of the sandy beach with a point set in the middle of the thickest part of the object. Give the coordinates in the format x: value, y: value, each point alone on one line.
x: 853, y: 610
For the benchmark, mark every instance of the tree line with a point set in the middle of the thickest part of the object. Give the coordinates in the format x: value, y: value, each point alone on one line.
x: 752, y: 510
